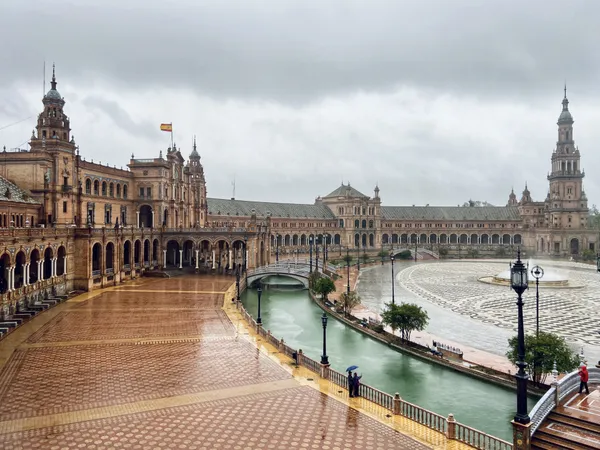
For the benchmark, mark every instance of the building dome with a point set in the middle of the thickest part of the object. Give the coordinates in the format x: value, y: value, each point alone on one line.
x: 565, y: 117
x: 53, y: 94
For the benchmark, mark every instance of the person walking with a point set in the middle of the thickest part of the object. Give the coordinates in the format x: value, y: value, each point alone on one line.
x: 350, y: 384
x: 356, y: 384
x: 583, y: 377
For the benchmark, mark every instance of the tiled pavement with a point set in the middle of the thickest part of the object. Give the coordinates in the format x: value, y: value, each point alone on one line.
x: 157, y: 364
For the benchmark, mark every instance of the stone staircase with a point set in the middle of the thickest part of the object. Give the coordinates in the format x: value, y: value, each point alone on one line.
x: 567, y: 428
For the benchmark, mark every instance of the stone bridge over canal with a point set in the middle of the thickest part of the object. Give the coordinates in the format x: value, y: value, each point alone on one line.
x: 297, y: 270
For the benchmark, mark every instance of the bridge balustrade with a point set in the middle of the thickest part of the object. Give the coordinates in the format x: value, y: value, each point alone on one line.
x: 556, y: 394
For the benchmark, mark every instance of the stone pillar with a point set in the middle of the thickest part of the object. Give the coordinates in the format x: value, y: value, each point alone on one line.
x: 164, y: 259
x: 521, y: 436
x: 153, y: 223
x: 180, y: 259
x: 396, y: 406
x: 8, y: 274
x: 40, y: 269
x: 65, y: 264
x: 54, y: 266
x: 213, y: 260
x: 197, y: 251
x: 25, y: 277
x: 230, y: 261
x: 451, y: 428
x: 137, y: 215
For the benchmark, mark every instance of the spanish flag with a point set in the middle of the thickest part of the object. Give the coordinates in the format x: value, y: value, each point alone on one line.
x: 166, y: 127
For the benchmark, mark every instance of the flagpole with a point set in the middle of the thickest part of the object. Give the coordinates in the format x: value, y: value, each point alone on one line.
x: 172, y: 144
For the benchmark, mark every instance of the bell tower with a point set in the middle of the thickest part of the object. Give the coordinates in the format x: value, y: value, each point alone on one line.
x: 567, y: 205
x: 198, y: 185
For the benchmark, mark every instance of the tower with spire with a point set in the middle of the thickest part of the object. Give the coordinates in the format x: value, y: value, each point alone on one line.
x: 567, y: 206
x: 512, y: 199
x: 198, y: 186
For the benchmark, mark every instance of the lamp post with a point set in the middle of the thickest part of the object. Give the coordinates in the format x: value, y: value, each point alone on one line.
x: 325, y: 236
x: 537, y: 272
x: 310, y: 244
x: 324, y: 358
x: 237, y: 283
x: 392, y: 260
x: 348, y: 268
x: 258, y: 318
x: 518, y: 282
x: 382, y: 252
x: 317, y: 253
x: 416, y: 245
x: 276, y: 247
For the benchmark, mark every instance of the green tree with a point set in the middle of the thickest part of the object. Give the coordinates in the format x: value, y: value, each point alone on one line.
x: 324, y: 286
x: 473, y: 253
x: 540, y: 354
x: 404, y: 254
x: 405, y: 317
x: 443, y: 252
x: 383, y: 254
x: 313, y: 278
x: 364, y: 258
x: 347, y: 259
x: 594, y: 218
x: 349, y: 301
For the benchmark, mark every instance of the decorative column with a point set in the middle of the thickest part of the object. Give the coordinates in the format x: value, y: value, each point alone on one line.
x: 65, y: 264
x: 164, y: 259
x: 180, y: 259
x: 25, y: 276
x: 153, y: 223
x: 230, y: 261
x: 7, y: 272
x: 40, y: 269
x: 54, y: 266
x: 213, y: 260
x: 197, y: 251
x: 137, y: 215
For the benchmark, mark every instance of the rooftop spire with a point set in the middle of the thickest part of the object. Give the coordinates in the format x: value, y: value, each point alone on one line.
x: 53, y: 82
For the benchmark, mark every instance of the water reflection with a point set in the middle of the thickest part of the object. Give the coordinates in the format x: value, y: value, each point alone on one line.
x: 291, y: 315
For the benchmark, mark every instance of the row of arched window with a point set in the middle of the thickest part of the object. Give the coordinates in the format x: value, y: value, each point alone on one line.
x: 105, y: 189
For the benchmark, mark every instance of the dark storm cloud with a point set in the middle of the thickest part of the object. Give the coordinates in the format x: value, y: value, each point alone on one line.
x: 302, y: 50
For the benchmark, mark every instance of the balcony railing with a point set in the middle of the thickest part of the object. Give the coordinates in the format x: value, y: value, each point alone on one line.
x: 66, y: 188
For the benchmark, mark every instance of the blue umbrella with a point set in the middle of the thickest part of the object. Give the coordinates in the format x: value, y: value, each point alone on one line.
x: 351, y: 368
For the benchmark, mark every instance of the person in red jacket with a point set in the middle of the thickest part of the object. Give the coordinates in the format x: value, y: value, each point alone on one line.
x: 583, y: 376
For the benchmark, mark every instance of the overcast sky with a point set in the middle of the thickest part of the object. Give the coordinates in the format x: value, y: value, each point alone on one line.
x: 438, y: 101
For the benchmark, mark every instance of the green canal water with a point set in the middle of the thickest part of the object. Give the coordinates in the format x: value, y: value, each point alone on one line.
x: 291, y: 314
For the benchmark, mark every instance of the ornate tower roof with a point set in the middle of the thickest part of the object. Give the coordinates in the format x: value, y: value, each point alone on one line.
x: 194, y: 155
x: 53, y: 96
x: 565, y: 117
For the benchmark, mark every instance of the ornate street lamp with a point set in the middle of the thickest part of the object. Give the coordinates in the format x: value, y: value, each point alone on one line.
x: 237, y: 282
x: 310, y: 244
x: 276, y: 247
x: 324, y: 358
x: 537, y: 272
x: 519, y: 283
x: 392, y: 260
x: 348, y: 268
x: 258, y: 318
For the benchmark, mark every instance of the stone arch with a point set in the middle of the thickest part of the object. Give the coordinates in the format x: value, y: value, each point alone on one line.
x: 146, y: 258
x: 356, y: 240
x: 385, y: 238
x: 127, y: 254
x: 145, y: 217
x: 137, y: 252
x: 96, y: 187
x: 19, y: 272
x: 34, y: 257
x: 574, y: 246
x: 118, y: 190
x: 413, y: 238
x: 88, y: 186
x: 364, y: 223
x: 109, y: 259
x: 371, y: 240
x: 404, y: 238
x: 295, y: 240
x: 506, y: 239
x: 433, y: 238
x: 155, y: 245
x: 303, y: 240
x: 364, y: 240
x: 4, y: 265
x: 48, y: 255
x: 443, y: 238
x: 423, y: 238
x: 104, y: 188
x: 394, y: 238
x: 453, y: 239
x: 542, y: 248
x: 474, y: 239
x: 96, y: 258
x: 463, y: 238
x: 517, y: 239
x: 337, y: 239
x: 111, y: 189
x: 370, y: 224
x: 495, y: 238
x: 61, y: 263
x: 173, y: 253
x: 485, y: 239
x: 287, y: 240
x: 188, y: 252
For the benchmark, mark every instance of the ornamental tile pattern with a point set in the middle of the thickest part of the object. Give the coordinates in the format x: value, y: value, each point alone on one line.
x: 295, y: 418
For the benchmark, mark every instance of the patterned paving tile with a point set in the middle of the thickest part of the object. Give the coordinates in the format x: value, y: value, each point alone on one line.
x: 89, y: 325
x: 143, y: 299
x: 294, y: 418
x: 41, y: 381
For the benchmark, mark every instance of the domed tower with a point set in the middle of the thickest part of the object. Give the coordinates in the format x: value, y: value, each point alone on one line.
x: 567, y: 205
x: 526, y: 197
x: 198, y: 185
x: 512, y: 199
x: 53, y: 126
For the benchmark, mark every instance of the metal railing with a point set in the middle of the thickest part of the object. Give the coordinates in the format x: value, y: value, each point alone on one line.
x: 557, y: 393
x: 446, y: 425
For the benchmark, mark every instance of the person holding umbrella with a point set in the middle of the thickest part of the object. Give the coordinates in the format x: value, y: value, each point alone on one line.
x: 356, y: 384
x: 351, y: 380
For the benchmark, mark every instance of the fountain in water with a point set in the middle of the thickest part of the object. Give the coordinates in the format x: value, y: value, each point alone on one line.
x: 551, y: 278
